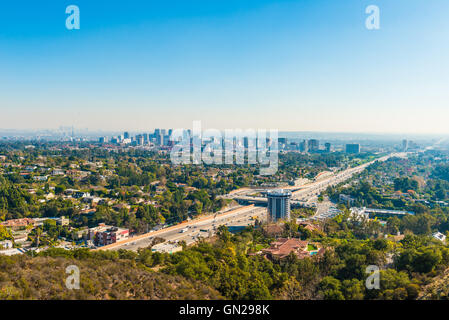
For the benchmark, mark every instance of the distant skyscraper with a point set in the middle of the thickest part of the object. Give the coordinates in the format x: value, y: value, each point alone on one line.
x: 282, y: 140
x: 313, y: 145
x: 278, y: 205
x: 160, y: 139
x: 268, y: 142
x: 165, y: 140
x: 304, y: 146
x: 126, y: 135
x: 327, y: 147
x: 293, y: 146
x: 139, y: 139
x: 404, y: 145
x: 245, y: 142
x: 353, y: 148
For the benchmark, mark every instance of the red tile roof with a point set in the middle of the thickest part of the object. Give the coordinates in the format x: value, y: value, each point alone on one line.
x: 17, y: 222
x: 283, y: 247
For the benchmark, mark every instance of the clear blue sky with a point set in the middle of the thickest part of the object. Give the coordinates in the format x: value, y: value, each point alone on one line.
x: 307, y: 65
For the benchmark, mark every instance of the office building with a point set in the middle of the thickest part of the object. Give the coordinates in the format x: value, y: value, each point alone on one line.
x: 304, y: 146
x: 126, y: 135
x: 404, y: 145
x: 327, y: 147
x: 245, y: 142
x: 282, y: 140
x: 165, y: 140
x: 353, y: 148
x: 293, y: 146
x: 278, y: 205
x: 139, y: 140
x: 313, y: 145
x: 104, y: 235
x: 159, y: 139
x: 157, y: 135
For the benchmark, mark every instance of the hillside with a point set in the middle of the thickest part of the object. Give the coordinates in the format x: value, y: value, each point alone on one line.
x: 23, y: 277
x: 438, y: 289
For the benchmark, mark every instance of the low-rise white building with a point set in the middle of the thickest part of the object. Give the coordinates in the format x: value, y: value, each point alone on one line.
x: 439, y: 236
x: 40, y: 178
x: 166, y: 247
x: 6, y: 244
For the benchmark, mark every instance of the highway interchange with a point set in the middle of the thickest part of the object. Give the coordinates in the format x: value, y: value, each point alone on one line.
x: 206, y: 226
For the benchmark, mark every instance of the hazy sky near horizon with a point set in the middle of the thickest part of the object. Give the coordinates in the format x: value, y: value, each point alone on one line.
x: 282, y: 64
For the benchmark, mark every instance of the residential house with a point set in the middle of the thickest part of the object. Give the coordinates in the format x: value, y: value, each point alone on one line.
x: 282, y: 247
x: 17, y: 223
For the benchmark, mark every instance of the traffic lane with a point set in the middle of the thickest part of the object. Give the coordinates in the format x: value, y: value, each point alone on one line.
x: 229, y: 213
x: 194, y: 230
x: 188, y: 236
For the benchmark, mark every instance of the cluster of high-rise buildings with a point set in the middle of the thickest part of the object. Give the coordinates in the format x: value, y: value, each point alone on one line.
x: 163, y: 137
x: 160, y: 137
x: 409, y: 145
x: 313, y: 146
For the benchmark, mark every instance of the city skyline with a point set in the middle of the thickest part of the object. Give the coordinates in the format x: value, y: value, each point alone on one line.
x: 326, y: 135
x: 286, y: 65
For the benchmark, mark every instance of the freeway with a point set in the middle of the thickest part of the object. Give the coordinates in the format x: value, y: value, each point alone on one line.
x: 225, y: 218
x: 240, y: 216
x: 310, y: 190
x: 194, y: 232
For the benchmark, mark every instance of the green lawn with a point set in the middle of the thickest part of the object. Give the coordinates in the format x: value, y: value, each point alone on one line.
x: 260, y: 247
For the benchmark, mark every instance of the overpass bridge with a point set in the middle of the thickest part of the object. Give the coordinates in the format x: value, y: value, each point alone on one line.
x: 263, y: 202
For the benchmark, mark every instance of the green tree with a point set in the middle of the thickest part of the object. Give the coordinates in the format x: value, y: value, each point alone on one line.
x: 330, y: 289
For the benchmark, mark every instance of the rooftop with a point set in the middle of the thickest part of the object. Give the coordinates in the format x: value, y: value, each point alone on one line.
x: 279, y: 193
x: 282, y: 247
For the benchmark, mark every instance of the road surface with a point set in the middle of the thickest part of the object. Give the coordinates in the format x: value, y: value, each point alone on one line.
x: 226, y: 218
